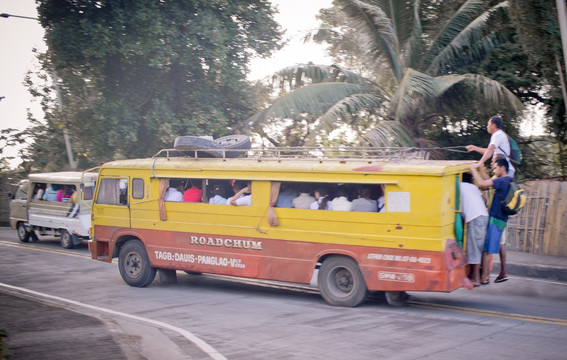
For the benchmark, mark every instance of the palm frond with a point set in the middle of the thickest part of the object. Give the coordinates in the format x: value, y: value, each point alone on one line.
x: 390, y: 133
x: 299, y: 75
x: 412, y: 95
x: 471, y: 37
x: 460, y: 20
x: 414, y: 43
x: 315, y: 100
x: 487, y: 93
x: 376, y: 30
x: 351, y: 106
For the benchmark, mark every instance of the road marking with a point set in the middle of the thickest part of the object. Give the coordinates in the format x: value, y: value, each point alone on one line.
x: 206, y: 348
x: 313, y: 290
x: 465, y: 310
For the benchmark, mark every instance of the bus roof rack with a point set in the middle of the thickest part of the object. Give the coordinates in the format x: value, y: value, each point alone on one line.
x: 302, y: 153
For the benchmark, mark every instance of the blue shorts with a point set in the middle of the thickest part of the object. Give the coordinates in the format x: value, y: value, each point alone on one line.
x: 493, y: 234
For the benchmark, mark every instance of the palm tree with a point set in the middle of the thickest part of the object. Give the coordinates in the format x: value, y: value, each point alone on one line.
x: 422, y: 69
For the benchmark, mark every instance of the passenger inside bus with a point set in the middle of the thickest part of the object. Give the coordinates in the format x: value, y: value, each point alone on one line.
x: 341, y: 202
x: 364, y: 203
x: 243, y: 193
x: 175, y: 190
x: 194, y: 191
x: 218, y: 194
x: 304, y: 199
x: 286, y: 195
x: 322, y: 199
x: 51, y: 193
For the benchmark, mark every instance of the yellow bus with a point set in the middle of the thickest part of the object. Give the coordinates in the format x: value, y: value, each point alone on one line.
x: 401, y: 238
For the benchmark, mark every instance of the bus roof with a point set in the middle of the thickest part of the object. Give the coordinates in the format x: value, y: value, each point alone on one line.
x: 168, y: 167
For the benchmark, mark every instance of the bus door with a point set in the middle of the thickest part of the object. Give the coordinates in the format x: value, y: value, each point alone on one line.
x: 111, y: 208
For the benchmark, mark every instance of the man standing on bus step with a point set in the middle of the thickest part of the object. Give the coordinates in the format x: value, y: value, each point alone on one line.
x: 499, y: 145
x: 475, y: 215
x: 497, y: 219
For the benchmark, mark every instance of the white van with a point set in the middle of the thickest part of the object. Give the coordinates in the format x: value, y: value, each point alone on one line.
x: 53, y: 204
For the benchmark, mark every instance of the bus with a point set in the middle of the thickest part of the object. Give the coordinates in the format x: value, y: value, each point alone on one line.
x: 49, y: 204
x: 407, y: 240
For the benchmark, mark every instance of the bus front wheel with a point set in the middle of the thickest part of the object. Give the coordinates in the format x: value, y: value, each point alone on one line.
x: 134, y: 264
x: 341, y: 282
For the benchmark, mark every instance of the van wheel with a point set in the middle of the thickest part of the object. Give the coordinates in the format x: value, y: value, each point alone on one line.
x: 23, y: 234
x: 66, y: 240
x: 134, y: 265
x: 341, y: 282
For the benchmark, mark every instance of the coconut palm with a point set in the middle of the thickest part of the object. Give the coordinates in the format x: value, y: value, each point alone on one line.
x: 421, y: 67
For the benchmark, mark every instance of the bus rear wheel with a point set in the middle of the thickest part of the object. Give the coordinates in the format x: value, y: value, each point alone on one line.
x: 134, y: 265
x: 23, y: 234
x: 341, y: 283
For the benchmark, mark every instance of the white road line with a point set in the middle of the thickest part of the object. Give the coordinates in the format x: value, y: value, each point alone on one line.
x: 209, y: 350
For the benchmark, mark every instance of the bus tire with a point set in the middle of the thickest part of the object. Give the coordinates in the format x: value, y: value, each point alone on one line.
x: 238, y: 142
x: 341, y: 283
x: 189, y: 143
x: 23, y: 234
x: 66, y: 240
x: 396, y: 298
x: 134, y: 264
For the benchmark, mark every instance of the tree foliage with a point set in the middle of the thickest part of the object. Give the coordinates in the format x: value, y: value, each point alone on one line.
x: 136, y: 74
x: 420, y: 68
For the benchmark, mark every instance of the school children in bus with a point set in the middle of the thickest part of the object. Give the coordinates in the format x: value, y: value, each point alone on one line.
x: 322, y: 199
x: 364, y: 203
x: 51, y: 193
x: 304, y: 199
x: 286, y: 196
x: 243, y: 194
x: 218, y: 195
x: 175, y: 191
x: 194, y: 192
x: 340, y: 202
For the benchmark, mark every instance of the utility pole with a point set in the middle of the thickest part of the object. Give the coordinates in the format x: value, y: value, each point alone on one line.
x: 68, y: 147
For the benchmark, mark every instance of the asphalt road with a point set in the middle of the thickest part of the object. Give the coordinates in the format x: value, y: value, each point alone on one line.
x: 60, y: 304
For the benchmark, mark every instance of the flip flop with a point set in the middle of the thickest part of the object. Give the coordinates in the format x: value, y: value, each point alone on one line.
x: 501, y: 279
x: 485, y: 282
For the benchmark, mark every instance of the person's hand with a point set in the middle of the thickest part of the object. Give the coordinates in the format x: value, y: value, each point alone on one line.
x: 470, y: 148
x: 246, y: 190
x: 474, y: 166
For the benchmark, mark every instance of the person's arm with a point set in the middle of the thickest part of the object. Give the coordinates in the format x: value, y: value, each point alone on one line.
x: 480, y: 182
x: 239, y: 194
x: 486, y: 152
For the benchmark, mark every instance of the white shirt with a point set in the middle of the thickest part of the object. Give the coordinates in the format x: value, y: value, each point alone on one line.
x: 303, y: 201
x: 218, y: 200
x: 341, y: 204
x: 172, y: 194
x: 472, y: 204
x: 501, y: 145
x: 315, y: 204
x: 243, y: 200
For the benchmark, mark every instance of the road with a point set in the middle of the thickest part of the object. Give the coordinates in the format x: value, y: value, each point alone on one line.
x: 206, y: 316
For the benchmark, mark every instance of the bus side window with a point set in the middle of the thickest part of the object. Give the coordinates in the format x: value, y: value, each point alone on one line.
x: 113, y: 192
x: 138, y: 188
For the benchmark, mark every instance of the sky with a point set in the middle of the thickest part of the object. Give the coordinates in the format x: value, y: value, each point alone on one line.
x: 19, y: 36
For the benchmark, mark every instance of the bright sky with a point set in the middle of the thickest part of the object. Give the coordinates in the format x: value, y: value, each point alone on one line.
x: 19, y: 36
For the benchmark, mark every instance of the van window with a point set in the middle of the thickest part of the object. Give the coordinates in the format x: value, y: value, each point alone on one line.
x: 22, y: 192
x: 113, y: 192
x: 138, y: 188
x: 88, y: 193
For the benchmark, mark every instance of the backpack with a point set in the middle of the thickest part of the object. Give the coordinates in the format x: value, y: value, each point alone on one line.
x: 515, y: 199
x: 515, y: 155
